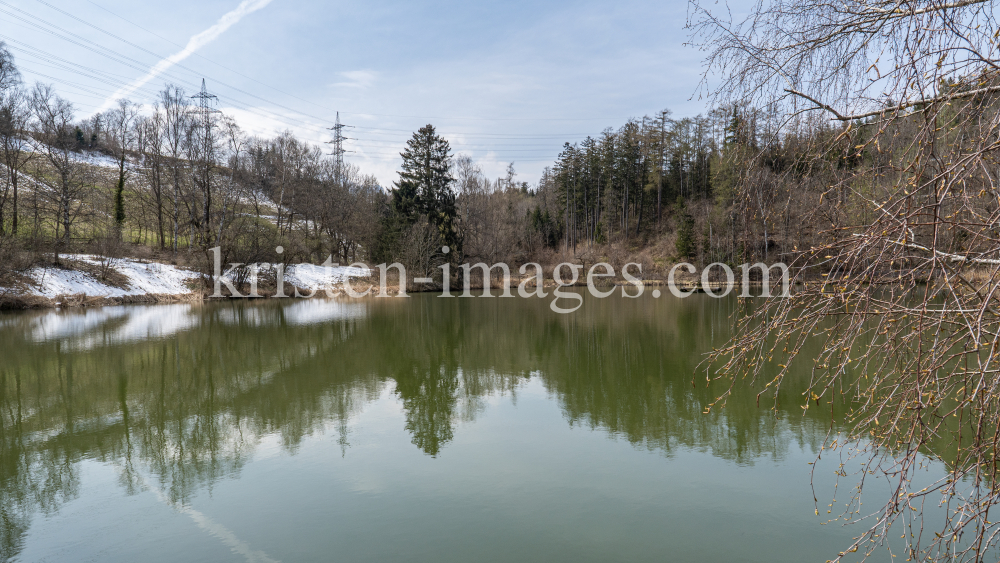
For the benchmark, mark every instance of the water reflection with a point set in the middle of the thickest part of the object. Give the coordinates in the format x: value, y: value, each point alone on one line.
x: 185, y: 394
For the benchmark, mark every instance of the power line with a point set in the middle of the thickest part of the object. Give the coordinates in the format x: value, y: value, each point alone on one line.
x: 375, y: 156
x: 94, y: 74
x: 360, y: 114
x: 76, y: 40
x: 108, y: 78
x: 181, y: 46
x: 74, y: 85
x: 138, y: 65
x: 105, y: 78
x: 526, y: 146
x: 121, y: 59
x: 515, y: 151
x: 552, y: 135
x: 204, y: 98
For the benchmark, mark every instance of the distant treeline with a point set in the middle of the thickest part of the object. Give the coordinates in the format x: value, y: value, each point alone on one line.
x: 732, y: 186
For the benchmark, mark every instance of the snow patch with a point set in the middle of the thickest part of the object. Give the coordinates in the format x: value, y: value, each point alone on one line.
x: 313, y: 277
x: 97, y: 159
x: 143, y: 278
x: 92, y: 158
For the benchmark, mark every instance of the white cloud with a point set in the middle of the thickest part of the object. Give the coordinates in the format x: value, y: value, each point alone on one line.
x: 266, y: 122
x: 196, y: 42
x: 357, y: 79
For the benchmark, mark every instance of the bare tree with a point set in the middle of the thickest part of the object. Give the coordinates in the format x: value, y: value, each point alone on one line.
x: 350, y: 205
x: 16, y: 153
x: 55, y: 134
x: 280, y: 148
x: 202, y: 149
x: 493, y: 219
x: 236, y: 142
x: 175, y: 126
x: 895, y: 108
x: 150, y: 143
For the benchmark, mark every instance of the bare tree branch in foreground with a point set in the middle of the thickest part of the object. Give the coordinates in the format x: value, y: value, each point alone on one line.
x: 894, y: 108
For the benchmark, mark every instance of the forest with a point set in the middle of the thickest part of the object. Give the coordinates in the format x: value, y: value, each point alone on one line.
x: 175, y: 179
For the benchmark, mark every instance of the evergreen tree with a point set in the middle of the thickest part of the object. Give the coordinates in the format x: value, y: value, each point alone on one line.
x: 425, y: 182
x: 685, y: 244
x: 739, y: 131
x: 425, y: 186
x: 120, y: 203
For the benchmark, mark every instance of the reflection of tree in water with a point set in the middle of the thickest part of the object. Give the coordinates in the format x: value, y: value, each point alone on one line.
x: 30, y: 481
x: 429, y: 400
x: 182, y: 412
x: 173, y: 415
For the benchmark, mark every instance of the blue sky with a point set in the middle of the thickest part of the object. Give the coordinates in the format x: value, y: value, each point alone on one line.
x: 503, y: 81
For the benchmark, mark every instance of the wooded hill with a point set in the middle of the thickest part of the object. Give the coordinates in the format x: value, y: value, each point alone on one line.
x: 173, y: 180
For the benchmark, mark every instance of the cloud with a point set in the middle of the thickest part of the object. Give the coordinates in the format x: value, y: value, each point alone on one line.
x: 266, y: 123
x: 357, y: 79
x: 196, y: 42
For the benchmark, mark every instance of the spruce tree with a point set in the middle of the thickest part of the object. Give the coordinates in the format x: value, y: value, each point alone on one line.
x: 425, y: 185
x: 685, y: 244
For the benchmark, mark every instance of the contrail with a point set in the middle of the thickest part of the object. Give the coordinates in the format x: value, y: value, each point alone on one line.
x: 221, y: 532
x: 193, y: 44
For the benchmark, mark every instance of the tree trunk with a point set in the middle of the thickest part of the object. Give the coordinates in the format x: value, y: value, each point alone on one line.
x: 176, y: 212
x: 638, y: 223
x: 65, y: 212
x: 159, y: 218
x: 207, y: 214
x: 13, y: 223
x: 3, y: 203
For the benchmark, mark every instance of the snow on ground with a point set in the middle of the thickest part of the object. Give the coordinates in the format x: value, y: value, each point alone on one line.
x: 152, y: 277
x: 310, y: 276
x: 52, y: 282
x: 143, y: 278
x: 257, y: 197
x: 97, y: 159
x: 92, y: 158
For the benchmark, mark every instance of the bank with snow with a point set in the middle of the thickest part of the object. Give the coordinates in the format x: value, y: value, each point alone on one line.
x: 90, y: 280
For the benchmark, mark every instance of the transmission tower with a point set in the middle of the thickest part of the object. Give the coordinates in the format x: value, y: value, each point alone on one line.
x: 204, y: 107
x: 338, y: 147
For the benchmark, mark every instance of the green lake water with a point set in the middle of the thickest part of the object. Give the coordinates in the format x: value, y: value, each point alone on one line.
x: 419, y: 430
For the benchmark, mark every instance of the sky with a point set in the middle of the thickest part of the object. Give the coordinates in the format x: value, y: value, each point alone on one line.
x: 502, y: 81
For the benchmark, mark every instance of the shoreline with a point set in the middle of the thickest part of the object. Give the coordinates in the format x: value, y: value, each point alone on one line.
x: 32, y: 301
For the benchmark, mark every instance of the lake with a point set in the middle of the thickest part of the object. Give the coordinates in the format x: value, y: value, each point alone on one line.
x: 419, y: 429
